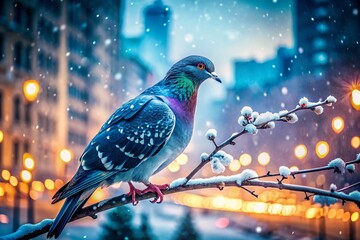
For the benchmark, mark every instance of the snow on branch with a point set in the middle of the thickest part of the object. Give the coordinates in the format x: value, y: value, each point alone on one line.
x: 247, y: 178
x: 251, y: 122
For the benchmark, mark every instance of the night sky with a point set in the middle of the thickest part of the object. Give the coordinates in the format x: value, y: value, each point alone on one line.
x: 222, y: 30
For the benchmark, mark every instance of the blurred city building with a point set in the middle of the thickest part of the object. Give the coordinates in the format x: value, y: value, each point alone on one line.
x: 152, y: 46
x: 60, y: 68
x: 327, y: 36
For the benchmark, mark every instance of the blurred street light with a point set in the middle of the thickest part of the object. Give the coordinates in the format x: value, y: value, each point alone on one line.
x: 49, y: 184
x: 13, y: 181
x: 25, y: 176
x: 1, y: 136
x: 66, y: 155
x: 300, y: 151
x: 245, y: 159
x: 31, y: 90
x: 174, y: 167
x: 322, y: 149
x: 29, y: 162
x: 182, y: 159
x: 355, y: 142
x: 294, y: 168
x: 355, y: 99
x: 235, y: 165
x: 5, y: 174
x: 337, y: 124
x: 264, y: 158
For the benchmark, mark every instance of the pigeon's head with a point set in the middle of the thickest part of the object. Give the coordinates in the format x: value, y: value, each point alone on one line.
x: 194, y: 68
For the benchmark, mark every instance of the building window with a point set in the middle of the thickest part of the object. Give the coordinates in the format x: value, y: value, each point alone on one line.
x: 16, y: 152
x: 27, y: 62
x: 28, y: 114
x: 2, y: 46
x: 17, y: 54
x: 23, y: 16
x: 17, y: 106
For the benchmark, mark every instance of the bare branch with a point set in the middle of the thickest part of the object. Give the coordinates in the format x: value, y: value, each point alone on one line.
x: 229, y: 181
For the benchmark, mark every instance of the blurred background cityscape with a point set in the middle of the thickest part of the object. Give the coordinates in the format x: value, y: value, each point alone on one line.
x: 66, y: 65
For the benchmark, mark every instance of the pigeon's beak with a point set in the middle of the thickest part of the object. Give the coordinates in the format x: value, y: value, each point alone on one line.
x: 215, y: 77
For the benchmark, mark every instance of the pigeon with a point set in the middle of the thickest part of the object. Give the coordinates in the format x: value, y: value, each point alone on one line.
x: 139, y: 139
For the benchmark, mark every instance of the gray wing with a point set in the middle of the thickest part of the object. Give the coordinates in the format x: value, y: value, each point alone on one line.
x: 135, y: 132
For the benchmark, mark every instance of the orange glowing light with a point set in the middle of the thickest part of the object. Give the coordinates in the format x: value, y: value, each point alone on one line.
x: 25, y: 176
x: 355, y: 142
x: 5, y: 174
x: 337, y: 124
x: 300, y: 151
x: 355, y: 99
x: 29, y: 162
x: 66, y: 155
x: 354, y: 216
x: 294, y: 168
x: 13, y: 181
x: 322, y: 149
x: 174, y: 166
x: 1, y: 136
x: 235, y: 165
x: 182, y: 159
x: 31, y: 90
x: 264, y: 158
x: 245, y: 159
x: 49, y: 184
x: 38, y: 186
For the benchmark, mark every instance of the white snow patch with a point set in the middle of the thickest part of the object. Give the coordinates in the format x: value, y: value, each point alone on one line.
x: 224, y: 157
x: 211, y: 134
x: 324, y: 200
x: 28, y: 228
x: 303, y: 102
x: 331, y: 99
x: 333, y: 187
x: 284, y: 171
x: 266, y: 117
x: 204, y: 156
x: 250, y: 128
x: 216, y: 166
x: 245, y: 111
x: 355, y: 195
x: 350, y: 168
x: 338, y: 164
x: 177, y: 182
x: 245, y: 175
x: 318, y: 110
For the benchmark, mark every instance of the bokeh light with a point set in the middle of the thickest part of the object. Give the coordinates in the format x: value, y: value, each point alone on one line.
x: 355, y: 142
x: 65, y: 155
x: 235, y: 165
x: 322, y: 149
x: 29, y: 162
x: 300, y: 151
x: 5, y: 174
x: 245, y: 159
x: 264, y: 158
x: 49, y: 184
x: 31, y: 90
x: 38, y: 186
x: 294, y: 168
x: 337, y: 124
x: 182, y: 159
x: 355, y: 99
x: 174, y: 166
x: 1, y: 136
x: 13, y: 181
x: 354, y: 216
x: 25, y: 176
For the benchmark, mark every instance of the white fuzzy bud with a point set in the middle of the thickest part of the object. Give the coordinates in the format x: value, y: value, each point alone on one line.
x: 250, y: 128
x: 242, y: 121
x: 211, y: 134
x: 246, y: 111
x: 254, y: 116
x: 204, y: 157
x: 318, y: 110
x: 330, y: 100
x: 333, y: 187
x: 224, y: 157
x: 216, y: 166
x: 284, y: 171
x: 291, y: 118
x: 303, y: 102
x: 270, y: 125
x: 350, y: 168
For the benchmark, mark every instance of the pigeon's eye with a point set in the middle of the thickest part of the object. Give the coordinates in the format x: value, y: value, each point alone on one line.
x: 201, y: 66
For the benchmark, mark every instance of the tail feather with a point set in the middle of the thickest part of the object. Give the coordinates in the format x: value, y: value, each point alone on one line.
x: 71, y: 205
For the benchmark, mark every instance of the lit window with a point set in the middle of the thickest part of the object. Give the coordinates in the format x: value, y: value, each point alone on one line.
x: 322, y: 27
x: 320, y: 58
x: 319, y: 43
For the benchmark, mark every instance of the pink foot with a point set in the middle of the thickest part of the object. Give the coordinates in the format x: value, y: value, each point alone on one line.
x: 157, y: 190
x: 133, y: 191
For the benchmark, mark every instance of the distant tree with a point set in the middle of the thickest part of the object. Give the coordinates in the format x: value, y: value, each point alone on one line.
x: 119, y: 225
x: 145, y: 228
x: 186, y: 229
